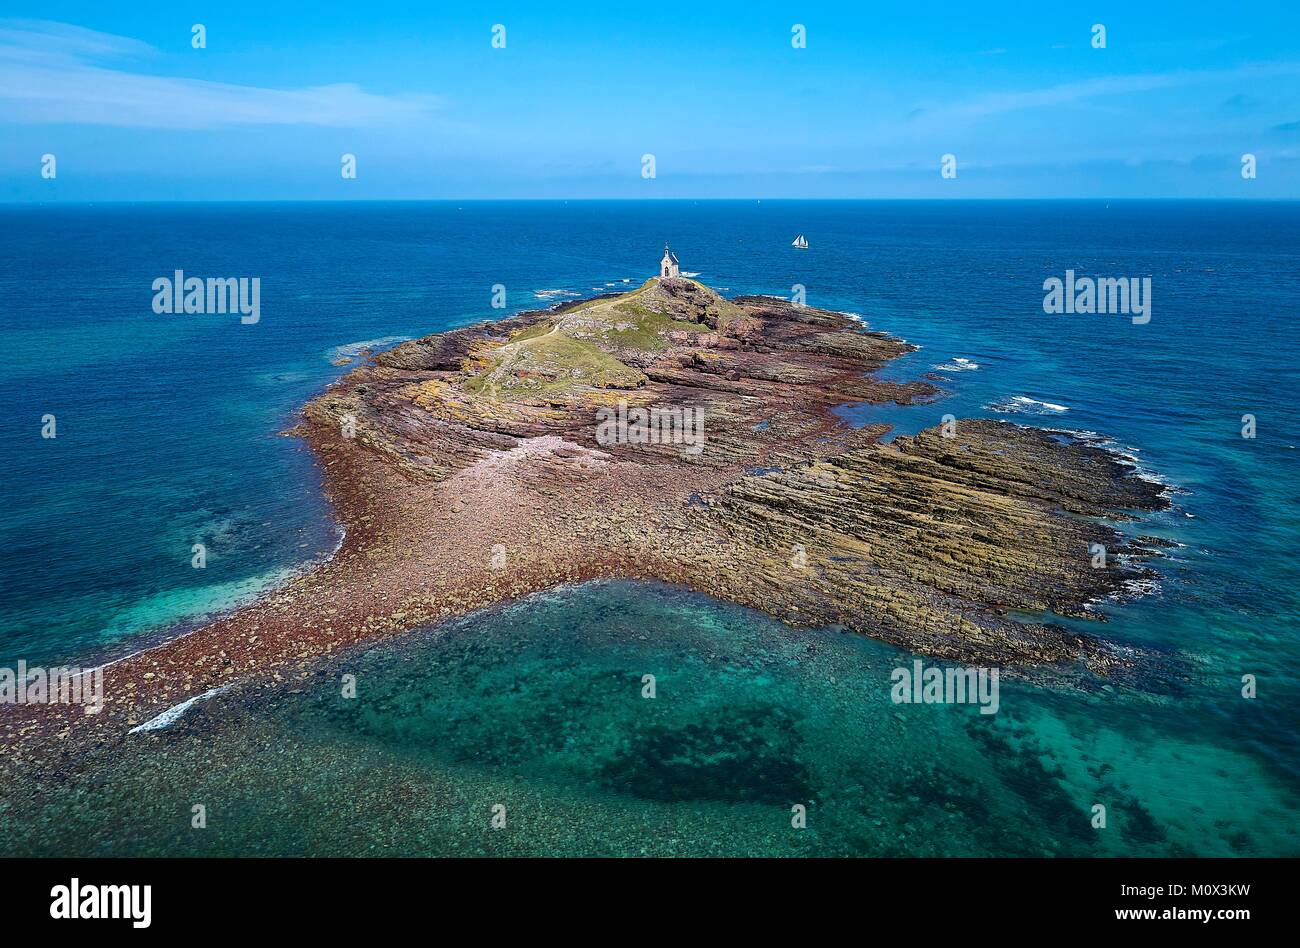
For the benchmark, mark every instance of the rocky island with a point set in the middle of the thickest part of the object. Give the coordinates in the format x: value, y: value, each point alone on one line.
x: 467, y: 468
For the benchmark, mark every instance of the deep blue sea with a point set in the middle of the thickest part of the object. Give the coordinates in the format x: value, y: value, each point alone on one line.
x: 169, y: 434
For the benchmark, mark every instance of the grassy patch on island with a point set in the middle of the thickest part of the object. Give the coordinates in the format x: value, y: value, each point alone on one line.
x: 549, y: 365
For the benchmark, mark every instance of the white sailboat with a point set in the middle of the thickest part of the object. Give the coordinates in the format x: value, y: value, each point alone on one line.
x: 801, y: 242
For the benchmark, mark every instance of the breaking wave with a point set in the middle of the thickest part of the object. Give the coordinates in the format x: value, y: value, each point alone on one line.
x: 958, y: 364
x: 1127, y: 455
x: 354, y: 350
x: 1024, y: 405
x: 174, y: 713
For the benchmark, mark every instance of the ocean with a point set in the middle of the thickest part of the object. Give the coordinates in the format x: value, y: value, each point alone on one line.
x: 169, y: 434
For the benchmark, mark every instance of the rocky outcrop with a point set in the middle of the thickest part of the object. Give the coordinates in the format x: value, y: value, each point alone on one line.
x: 928, y: 542
x: 466, y: 469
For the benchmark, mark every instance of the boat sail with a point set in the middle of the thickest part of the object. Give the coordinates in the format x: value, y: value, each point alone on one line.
x: 801, y: 242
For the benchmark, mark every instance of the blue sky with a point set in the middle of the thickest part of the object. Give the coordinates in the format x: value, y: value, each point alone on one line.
x: 715, y: 92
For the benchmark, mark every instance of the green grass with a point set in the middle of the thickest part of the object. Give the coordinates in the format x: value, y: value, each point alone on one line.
x: 573, y: 349
x: 629, y: 325
x: 551, y: 364
x: 532, y: 332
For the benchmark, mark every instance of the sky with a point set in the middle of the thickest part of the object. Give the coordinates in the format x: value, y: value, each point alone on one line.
x: 718, y: 93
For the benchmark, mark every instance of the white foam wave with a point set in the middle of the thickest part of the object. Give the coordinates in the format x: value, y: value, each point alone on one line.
x: 1024, y: 405
x: 1126, y: 455
x: 958, y: 364
x: 354, y: 350
x: 1137, y: 588
x: 173, y: 714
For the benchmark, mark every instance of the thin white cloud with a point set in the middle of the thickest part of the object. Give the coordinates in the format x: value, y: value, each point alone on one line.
x: 47, y: 38
x: 1073, y: 93
x: 49, y: 73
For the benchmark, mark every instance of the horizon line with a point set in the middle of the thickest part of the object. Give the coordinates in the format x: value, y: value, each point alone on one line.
x: 659, y: 200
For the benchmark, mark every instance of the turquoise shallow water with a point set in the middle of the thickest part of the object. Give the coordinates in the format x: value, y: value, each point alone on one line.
x: 169, y: 435
x: 539, y: 708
